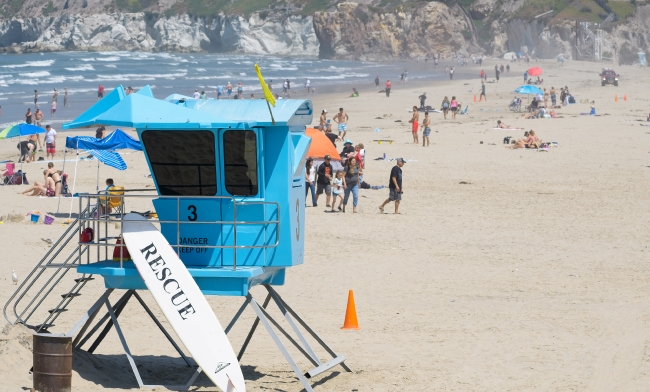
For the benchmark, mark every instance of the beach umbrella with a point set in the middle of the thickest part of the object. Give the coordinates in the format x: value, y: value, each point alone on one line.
x: 535, y: 71
x: 18, y: 130
x: 321, y: 146
x: 528, y: 90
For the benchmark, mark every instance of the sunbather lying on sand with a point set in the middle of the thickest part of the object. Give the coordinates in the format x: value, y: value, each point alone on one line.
x: 529, y: 141
x: 504, y: 126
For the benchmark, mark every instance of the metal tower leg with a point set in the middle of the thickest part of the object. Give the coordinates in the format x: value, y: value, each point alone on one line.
x: 305, y: 349
x: 79, y: 342
x: 262, y: 317
x: 113, y: 313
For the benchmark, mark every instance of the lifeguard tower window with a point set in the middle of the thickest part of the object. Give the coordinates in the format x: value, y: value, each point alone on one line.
x: 183, y: 162
x: 240, y: 162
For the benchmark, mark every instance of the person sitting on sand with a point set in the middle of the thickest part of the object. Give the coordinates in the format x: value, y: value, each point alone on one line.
x: 39, y: 189
x: 529, y: 141
x: 355, y: 93
x: 56, y: 176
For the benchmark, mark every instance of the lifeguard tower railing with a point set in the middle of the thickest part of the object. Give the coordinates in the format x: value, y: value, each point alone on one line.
x: 68, y: 252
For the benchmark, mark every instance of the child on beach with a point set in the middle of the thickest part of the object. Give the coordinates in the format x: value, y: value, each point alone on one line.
x: 53, y: 109
x: 338, y: 185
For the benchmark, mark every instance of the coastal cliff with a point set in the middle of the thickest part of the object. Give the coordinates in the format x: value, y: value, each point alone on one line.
x: 357, y: 32
x: 366, y: 30
x: 289, y: 35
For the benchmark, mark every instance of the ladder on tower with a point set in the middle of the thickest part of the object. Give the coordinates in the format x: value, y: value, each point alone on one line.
x: 46, y: 276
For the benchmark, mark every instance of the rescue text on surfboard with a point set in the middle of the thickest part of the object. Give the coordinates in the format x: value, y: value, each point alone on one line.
x: 169, y: 285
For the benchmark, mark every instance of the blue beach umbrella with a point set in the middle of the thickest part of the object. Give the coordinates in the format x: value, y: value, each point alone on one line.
x: 22, y: 129
x: 528, y: 89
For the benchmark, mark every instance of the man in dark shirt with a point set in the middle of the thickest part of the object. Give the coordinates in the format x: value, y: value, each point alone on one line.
x: 395, y: 186
x: 324, y: 181
x: 422, y: 98
x: 331, y: 136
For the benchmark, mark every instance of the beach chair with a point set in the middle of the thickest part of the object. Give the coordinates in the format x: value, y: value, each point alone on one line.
x: 9, y: 173
x: 464, y: 111
x: 115, y: 202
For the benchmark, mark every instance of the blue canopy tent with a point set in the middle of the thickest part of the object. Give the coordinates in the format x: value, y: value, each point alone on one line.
x: 103, y: 149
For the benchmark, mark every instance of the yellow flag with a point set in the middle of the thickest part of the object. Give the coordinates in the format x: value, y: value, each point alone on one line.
x: 267, y: 93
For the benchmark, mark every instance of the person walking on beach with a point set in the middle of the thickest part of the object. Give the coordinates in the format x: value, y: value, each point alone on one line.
x: 322, y: 121
x: 352, y: 173
x: 307, y: 85
x: 525, y: 77
x: 28, y: 116
x: 395, y: 189
x: 388, y: 87
x: 553, y: 97
x: 100, y: 92
x: 55, y: 96
x: 377, y: 81
x: 240, y: 91
x: 426, y: 129
x: 65, y: 97
x: 341, y: 119
x: 310, y: 180
x: 229, y: 89
x: 35, y: 99
x: 50, y: 141
x: 453, y: 107
x: 451, y: 73
x: 414, y: 125
x: 324, y: 180
x: 482, y: 75
x: 445, y: 107
x: 53, y: 109
x: 497, y: 73
x: 482, y: 93
x: 38, y: 117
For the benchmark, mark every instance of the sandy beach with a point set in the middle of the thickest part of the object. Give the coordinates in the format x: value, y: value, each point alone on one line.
x: 507, y: 270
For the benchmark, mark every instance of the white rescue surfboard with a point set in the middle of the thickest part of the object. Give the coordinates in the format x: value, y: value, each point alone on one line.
x: 182, y: 303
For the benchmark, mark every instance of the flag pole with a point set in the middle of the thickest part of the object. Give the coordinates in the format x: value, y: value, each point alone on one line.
x: 270, y: 112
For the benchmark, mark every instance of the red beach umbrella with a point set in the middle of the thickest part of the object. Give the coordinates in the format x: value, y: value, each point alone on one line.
x: 535, y: 71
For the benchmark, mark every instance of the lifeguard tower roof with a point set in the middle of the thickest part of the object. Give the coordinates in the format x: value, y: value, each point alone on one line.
x: 229, y: 180
x: 141, y: 110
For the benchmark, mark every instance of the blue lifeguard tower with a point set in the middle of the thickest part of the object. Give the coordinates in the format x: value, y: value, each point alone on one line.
x: 229, y: 198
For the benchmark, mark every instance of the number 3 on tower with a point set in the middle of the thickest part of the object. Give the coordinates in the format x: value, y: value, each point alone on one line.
x: 192, y: 216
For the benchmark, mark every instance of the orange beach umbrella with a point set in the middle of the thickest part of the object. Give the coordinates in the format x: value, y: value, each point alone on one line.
x: 321, y: 145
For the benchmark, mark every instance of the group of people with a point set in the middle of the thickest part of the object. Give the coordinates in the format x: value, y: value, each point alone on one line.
x: 27, y: 147
x: 450, y: 106
x: 53, y: 103
x: 52, y: 184
x: 530, y: 140
x: 338, y: 185
x: 341, y: 119
x: 425, y: 127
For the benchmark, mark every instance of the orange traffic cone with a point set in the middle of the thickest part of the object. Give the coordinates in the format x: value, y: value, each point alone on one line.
x: 616, y: 98
x: 474, y: 97
x: 120, y: 249
x: 625, y: 97
x: 351, y: 314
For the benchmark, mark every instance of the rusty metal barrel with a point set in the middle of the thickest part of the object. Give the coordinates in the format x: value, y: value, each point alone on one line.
x: 52, y: 363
